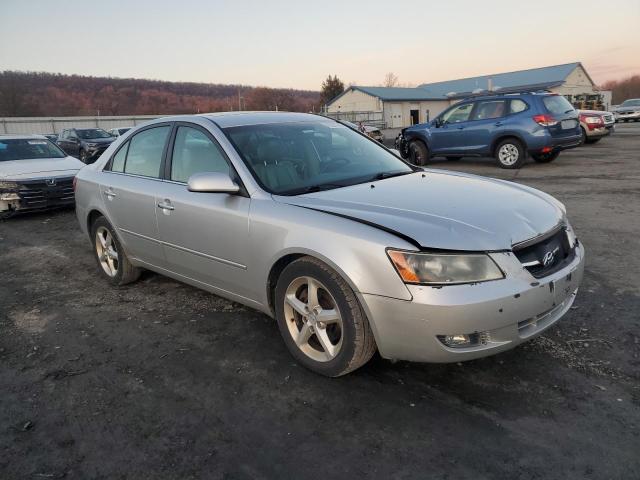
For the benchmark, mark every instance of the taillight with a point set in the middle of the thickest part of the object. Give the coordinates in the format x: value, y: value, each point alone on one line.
x: 545, y: 120
x: 75, y: 181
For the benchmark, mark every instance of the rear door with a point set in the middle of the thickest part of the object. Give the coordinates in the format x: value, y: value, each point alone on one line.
x: 450, y: 136
x: 129, y: 189
x: 485, y: 123
x: 205, y: 235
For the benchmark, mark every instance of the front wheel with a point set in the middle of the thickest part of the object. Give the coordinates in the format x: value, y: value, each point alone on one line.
x: 510, y: 154
x: 84, y: 157
x: 320, y: 319
x: 418, y: 153
x: 545, y: 157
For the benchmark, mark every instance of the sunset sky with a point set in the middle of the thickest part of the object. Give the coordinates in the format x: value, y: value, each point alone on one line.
x: 297, y: 43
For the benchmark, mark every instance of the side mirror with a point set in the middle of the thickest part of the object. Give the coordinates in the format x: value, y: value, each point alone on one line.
x: 212, y: 182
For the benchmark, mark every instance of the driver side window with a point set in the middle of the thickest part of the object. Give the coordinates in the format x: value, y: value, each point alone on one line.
x: 194, y: 152
x: 458, y: 114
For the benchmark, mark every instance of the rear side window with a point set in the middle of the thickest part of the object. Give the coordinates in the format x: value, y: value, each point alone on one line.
x: 117, y: 165
x: 517, y: 106
x: 489, y: 109
x: 144, y: 155
x: 458, y: 114
x: 194, y: 152
x: 557, y: 104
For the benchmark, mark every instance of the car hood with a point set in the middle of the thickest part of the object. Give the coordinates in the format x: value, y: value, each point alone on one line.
x: 443, y: 210
x: 40, y: 167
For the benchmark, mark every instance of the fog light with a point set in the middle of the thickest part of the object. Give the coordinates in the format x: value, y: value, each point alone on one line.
x: 463, y: 340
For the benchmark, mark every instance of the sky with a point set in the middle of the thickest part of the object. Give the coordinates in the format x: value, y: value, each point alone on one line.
x: 296, y: 44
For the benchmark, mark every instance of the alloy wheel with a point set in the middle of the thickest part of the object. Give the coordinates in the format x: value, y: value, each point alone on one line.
x: 313, y: 319
x: 106, y: 251
x: 508, y: 154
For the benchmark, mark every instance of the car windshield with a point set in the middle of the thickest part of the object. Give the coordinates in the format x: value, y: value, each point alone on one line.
x: 557, y: 104
x: 631, y: 103
x: 295, y: 158
x: 89, y: 133
x: 28, y: 149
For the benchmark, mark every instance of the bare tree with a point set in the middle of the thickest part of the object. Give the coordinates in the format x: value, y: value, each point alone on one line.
x: 390, y: 80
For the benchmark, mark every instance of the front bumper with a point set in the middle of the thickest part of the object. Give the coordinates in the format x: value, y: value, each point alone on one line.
x: 627, y: 116
x: 598, y: 132
x: 504, y: 312
x: 38, y: 194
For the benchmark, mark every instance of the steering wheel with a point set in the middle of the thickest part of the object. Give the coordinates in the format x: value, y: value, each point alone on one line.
x: 328, y: 166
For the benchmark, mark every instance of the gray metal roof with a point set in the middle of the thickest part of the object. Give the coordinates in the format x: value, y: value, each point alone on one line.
x: 532, y: 79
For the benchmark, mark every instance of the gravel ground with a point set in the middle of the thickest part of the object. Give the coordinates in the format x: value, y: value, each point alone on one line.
x: 159, y: 380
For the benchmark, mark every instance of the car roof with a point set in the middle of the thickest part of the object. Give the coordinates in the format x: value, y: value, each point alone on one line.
x: 236, y: 119
x: 15, y: 136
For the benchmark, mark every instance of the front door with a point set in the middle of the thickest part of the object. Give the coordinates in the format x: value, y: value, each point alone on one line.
x: 486, y: 122
x: 449, y: 137
x: 205, y: 235
x: 129, y: 193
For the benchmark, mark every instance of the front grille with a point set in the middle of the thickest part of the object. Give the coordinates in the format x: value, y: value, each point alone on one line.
x: 546, y: 255
x: 41, y: 194
x: 608, y: 118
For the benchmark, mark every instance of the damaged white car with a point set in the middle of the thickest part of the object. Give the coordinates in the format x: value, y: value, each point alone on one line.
x: 35, y: 174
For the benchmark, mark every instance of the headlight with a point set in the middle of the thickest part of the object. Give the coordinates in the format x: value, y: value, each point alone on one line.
x: 444, y: 269
x: 9, y: 186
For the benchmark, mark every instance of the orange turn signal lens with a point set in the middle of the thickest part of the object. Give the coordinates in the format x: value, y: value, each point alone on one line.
x: 402, y: 266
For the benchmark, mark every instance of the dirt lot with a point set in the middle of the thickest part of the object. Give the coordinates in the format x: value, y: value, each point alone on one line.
x: 159, y: 380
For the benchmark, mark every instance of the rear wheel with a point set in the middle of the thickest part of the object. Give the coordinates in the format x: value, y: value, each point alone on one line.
x: 545, y: 157
x: 320, y: 319
x: 510, y: 154
x: 418, y: 153
x: 112, y: 260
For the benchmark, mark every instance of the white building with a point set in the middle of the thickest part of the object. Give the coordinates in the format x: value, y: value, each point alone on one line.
x: 394, y: 107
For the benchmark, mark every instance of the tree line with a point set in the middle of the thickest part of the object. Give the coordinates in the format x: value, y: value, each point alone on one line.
x: 52, y: 94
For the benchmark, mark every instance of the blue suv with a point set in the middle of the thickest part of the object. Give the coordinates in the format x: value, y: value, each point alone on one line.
x: 507, y: 127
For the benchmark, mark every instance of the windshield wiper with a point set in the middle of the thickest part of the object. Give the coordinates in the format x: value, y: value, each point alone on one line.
x: 313, y: 188
x: 383, y: 175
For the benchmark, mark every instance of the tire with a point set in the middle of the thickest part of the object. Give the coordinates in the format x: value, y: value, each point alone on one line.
x: 591, y: 141
x: 418, y: 153
x: 84, y: 158
x: 510, y: 154
x: 121, y: 269
x: 351, y: 342
x: 453, y: 159
x: 545, y: 157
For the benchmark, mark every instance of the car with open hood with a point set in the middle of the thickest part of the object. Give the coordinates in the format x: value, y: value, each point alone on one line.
x: 347, y: 246
x: 34, y: 174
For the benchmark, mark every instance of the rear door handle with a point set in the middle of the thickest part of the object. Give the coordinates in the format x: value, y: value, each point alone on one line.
x: 166, y: 205
x: 460, y: 127
x: 497, y: 124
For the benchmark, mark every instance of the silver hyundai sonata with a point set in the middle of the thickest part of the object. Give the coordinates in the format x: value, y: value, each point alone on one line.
x: 348, y: 247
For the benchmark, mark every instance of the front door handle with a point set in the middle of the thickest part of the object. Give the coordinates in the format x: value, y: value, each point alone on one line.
x: 166, y: 205
x: 497, y: 124
x: 460, y: 127
x: 110, y: 193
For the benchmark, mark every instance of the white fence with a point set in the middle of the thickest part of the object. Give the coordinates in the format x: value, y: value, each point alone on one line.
x: 42, y: 125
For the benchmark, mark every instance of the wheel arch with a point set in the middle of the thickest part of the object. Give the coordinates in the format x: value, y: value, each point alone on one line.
x: 504, y: 136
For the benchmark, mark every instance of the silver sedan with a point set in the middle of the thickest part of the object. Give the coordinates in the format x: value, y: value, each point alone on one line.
x: 348, y: 247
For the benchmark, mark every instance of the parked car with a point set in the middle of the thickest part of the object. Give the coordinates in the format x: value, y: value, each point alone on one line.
x: 628, y: 111
x: 507, y: 127
x: 87, y: 144
x: 116, y: 132
x: 34, y: 174
x: 348, y: 247
x: 373, y: 132
x: 595, y: 124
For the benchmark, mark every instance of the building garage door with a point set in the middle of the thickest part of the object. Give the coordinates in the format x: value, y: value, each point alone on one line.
x: 395, y: 115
